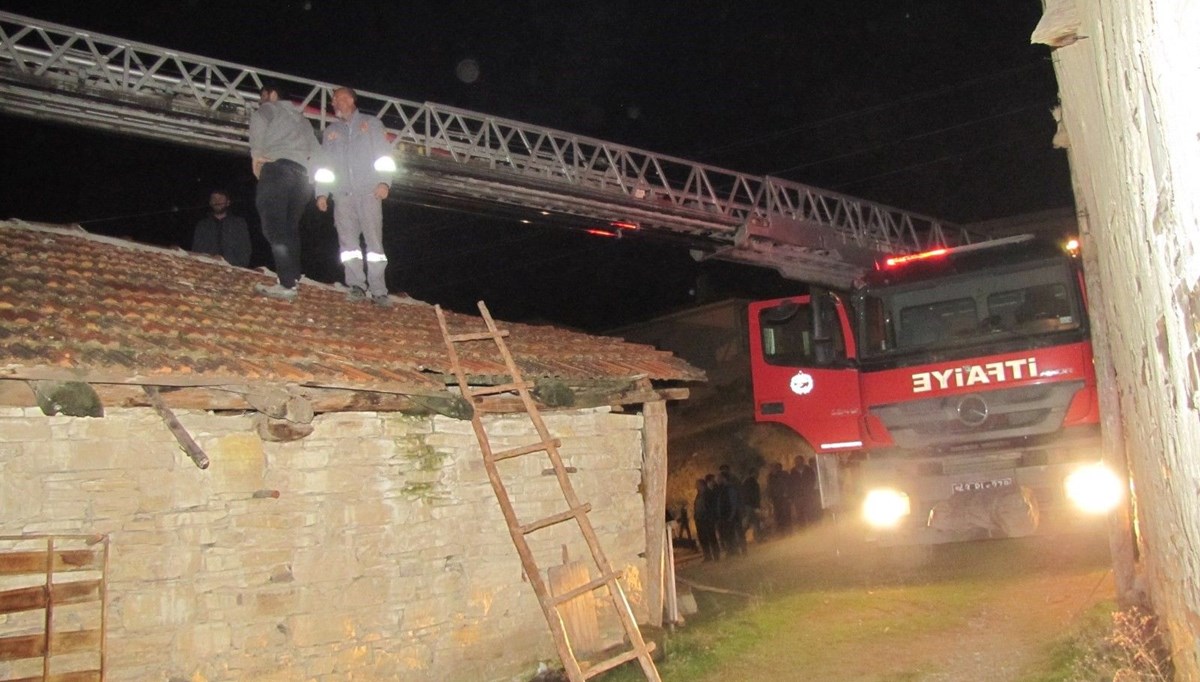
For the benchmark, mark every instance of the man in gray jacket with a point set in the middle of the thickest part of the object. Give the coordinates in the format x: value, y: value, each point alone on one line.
x: 357, y: 151
x: 282, y: 145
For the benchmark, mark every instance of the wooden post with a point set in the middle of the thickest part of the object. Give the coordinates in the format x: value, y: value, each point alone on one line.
x: 1121, y: 533
x: 672, y: 592
x: 1120, y: 521
x: 654, y: 486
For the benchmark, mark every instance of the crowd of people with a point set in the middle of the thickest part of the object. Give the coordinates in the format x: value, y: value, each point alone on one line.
x: 726, y: 509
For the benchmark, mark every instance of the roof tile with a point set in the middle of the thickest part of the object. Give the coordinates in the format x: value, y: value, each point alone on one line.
x: 129, y: 312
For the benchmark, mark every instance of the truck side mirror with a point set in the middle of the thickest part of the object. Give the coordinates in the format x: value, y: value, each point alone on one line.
x: 824, y: 326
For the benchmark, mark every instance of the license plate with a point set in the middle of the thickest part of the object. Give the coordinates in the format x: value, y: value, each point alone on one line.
x: 982, y: 485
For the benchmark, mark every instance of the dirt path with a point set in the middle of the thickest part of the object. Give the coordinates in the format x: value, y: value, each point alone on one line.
x: 982, y: 611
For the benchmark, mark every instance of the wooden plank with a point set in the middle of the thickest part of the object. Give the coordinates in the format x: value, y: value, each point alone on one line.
x: 34, y: 597
x: 671, y: 596
x: 478, y: 336
x: 23, y: 599
x: 74, y: 641
x: 77, y: 592
x: 625, y: 657
x: 525, y: 450
x: 603, y: 581
x: 654, y: 485
x: 24, y: 562
x: 578, y: 614
x: 33, y: 646
x: 22, y: 646
x: 76, y: 676
x: 572, y: 513
x: 193, y: 450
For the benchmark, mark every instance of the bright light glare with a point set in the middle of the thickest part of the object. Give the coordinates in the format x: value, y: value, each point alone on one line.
x: 324, y: 176
x: 385, y: 164
x: 908, y: 258
x: 884, y: 507
x: 1094, y: 488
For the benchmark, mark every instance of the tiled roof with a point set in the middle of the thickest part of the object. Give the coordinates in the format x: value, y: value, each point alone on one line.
x: 97, y: 309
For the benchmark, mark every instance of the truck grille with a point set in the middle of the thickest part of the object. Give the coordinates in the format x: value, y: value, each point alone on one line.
x: 978, y: 417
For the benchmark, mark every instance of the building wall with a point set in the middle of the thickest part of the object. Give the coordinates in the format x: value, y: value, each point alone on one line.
x: 384, y: 555
x: 1130, y: 106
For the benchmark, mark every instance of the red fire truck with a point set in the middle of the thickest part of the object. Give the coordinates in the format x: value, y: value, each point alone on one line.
x: 951, y: 394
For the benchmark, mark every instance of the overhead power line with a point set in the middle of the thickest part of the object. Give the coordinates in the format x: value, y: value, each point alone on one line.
x: 928, y: 94
x: 946, y: 157
x: 911, y: 138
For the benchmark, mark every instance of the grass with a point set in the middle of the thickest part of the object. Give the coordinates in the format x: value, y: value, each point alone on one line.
x: 1112, y: 645
x: 827, y: 623
x: 815, y: 617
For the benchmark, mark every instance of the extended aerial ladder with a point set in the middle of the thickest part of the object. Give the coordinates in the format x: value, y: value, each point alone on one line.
x: 449, y: 156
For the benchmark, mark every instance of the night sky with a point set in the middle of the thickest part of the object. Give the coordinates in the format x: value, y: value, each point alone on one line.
x: 940, y: 107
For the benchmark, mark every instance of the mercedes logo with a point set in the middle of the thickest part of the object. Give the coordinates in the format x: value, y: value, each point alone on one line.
x: 972, y: 410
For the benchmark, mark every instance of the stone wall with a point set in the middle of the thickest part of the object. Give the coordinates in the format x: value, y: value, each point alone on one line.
x: 1130, y: 106
x: 372, y: 549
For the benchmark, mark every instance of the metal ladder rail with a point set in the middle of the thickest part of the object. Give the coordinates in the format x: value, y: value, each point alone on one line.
x: 608, y: 579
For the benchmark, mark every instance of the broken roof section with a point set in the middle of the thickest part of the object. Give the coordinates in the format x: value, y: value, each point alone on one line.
x: 84, y: 308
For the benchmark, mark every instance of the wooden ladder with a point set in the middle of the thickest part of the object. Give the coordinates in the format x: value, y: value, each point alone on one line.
x: 550, y: 603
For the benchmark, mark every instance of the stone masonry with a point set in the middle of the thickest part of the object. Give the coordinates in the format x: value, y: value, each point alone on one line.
x: 373, y: 549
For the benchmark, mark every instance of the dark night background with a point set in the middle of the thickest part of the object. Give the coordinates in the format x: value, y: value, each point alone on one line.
x: 939, y: 107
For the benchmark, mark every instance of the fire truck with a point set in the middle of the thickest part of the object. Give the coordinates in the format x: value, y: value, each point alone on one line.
x: 950, y: 394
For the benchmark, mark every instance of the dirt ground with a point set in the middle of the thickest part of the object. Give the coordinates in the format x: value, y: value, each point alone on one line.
x: 982, y: 611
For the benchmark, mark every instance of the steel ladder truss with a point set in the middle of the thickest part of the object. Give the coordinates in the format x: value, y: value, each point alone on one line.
x: 54, y: 72
x: 552, y: 605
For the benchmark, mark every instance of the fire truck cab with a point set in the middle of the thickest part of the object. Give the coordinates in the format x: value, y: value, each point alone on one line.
x: 951, y: 393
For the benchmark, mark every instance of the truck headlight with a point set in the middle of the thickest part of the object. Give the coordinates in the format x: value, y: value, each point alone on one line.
x: 1094, y: 488
x: 884, y: 507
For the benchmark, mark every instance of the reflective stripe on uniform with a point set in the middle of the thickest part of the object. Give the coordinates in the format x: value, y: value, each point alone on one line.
x: 351, y: 255
x: 376, y: 257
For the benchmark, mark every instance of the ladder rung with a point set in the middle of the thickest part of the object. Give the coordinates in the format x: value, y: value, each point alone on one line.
x: 477, y: 336
x: 499, y: 388
x: 585, y: 588
x: 526, y: 449
x: 609, y: 664
x: 556, y: 518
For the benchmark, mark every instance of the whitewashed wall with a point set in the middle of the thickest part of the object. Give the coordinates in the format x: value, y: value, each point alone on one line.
x: 1130, y: 89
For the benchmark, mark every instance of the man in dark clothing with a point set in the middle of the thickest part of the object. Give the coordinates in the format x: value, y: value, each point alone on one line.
x: 751, y: 501
x: 222, y: 233
x: 812, y: 487
x: 803, y: 479
x: 729, y: 514
x: 704, y: 510
x: 282, y: 145
x: 779, y: 489
x: 685, y: 524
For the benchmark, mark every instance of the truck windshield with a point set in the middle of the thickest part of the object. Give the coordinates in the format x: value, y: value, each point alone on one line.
x: 968, y: 309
